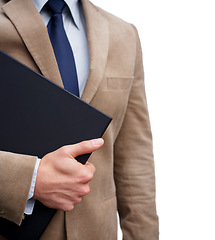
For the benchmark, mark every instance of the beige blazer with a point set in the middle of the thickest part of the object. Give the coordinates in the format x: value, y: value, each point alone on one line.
x: 124, y: 179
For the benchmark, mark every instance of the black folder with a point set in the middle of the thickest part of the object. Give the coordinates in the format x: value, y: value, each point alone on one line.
x: 37, y: 117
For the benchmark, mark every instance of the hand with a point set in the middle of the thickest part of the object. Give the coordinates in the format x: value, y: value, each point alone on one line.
x: 61, y: 180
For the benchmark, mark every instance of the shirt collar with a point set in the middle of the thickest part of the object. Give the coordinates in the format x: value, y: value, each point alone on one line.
x: 73, y: 6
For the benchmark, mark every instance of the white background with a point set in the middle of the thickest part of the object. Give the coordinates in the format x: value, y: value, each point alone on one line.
x: 178, y: 41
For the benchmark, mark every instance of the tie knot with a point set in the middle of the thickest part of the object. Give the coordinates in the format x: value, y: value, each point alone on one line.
x: 55, y: 6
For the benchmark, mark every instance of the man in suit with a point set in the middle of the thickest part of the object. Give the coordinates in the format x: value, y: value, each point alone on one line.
x: 114, y: 83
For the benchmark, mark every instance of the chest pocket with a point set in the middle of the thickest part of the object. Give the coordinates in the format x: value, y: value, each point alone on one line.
x: 112, y: 98
x: 119, y: 84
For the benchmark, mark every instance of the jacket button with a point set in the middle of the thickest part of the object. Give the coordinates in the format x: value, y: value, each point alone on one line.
x: 1, y: 211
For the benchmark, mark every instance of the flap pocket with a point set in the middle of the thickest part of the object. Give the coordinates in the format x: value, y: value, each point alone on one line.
x: 119, y: 83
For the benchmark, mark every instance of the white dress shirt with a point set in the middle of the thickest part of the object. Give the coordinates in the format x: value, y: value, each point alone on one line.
x: 75, y: 27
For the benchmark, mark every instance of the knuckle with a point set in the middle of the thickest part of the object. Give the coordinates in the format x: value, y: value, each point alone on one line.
x: 85, y: 190
x: 88, y: 176
x: 78, y: 200
x: 64, y: 150
x: 68, y: 207
x: 91, y: 167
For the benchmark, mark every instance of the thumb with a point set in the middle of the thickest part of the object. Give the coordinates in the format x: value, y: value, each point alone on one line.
x: 85, y: 147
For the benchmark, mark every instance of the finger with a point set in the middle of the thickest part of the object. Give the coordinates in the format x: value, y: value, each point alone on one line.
x: 91, y: 167
x: 87, y: 173
x: 85, y: 147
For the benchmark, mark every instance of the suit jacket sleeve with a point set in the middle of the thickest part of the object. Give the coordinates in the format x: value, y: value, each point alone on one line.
x: 134, y: 165
x: 15, y: 178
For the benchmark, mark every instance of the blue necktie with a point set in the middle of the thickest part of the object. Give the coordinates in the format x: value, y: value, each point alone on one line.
x: 62, y: 49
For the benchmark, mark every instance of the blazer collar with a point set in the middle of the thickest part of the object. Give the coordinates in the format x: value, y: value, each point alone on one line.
x: 23, y: 14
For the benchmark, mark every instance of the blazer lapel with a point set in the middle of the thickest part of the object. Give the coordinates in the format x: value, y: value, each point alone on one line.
x: 98, y: 42
x: 32, y: 30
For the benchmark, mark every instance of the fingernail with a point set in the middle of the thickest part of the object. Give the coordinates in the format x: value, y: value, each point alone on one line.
x: 97, y: 142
